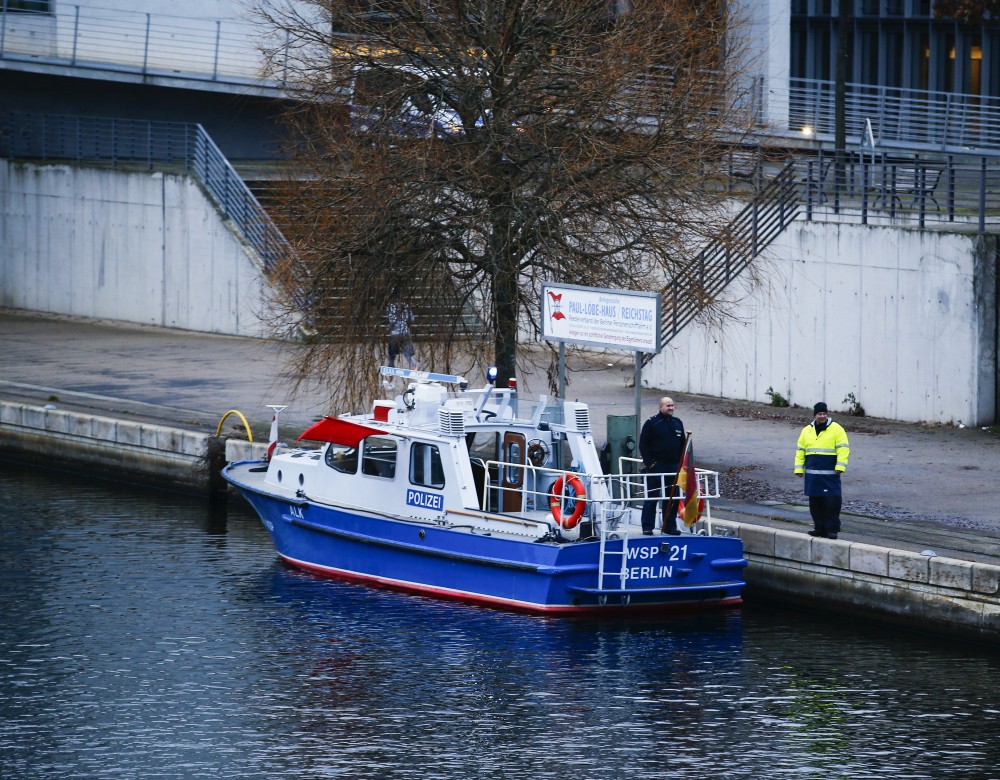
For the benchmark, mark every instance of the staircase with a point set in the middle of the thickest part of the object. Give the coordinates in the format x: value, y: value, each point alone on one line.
x: 437, y: 306
x: 763, y: 219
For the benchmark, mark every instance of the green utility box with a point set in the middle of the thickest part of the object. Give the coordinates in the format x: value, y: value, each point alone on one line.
x: 622, y: 443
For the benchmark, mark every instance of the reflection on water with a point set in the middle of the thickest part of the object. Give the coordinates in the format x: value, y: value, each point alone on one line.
x: 143, y: 636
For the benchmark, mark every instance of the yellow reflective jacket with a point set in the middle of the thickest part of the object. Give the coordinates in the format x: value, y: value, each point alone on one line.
x: 822, y: 457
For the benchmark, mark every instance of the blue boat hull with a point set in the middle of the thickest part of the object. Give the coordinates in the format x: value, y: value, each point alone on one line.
x: 663, y: 573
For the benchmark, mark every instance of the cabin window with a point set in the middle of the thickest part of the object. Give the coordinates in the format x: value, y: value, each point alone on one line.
x: 512, y: 457
x: 379, y: 458
x: 425, y: 465
x: 342, y: 458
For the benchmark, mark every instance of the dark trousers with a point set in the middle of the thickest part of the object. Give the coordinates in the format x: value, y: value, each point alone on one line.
x: 825, y: 511
x: 656, y: 487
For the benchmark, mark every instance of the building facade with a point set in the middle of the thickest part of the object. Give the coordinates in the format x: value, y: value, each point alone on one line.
x: 895, y: 43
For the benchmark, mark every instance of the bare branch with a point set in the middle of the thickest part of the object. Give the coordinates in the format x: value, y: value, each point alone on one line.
x: 455, y: 154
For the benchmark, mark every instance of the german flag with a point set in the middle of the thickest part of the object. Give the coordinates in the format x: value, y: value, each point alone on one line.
x: 687, y: 480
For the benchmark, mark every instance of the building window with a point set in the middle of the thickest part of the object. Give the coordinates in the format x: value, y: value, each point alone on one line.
x: 896, y: 43
x: 27, y: 6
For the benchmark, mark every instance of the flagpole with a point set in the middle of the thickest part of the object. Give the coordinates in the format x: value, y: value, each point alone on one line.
x: 272, y: 439
x: 637, y: 384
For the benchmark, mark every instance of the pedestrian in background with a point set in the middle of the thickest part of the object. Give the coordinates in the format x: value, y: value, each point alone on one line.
x: 400, y: 318
x: 821, y: 457
x: 661, y: 447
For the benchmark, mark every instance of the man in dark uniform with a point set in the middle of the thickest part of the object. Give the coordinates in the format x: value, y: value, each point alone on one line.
x: 661, y: 447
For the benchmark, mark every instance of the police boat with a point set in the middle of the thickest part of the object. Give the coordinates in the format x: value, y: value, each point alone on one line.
x: 482, y: 496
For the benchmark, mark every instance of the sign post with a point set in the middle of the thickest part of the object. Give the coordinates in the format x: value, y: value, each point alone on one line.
x: 612, y: 319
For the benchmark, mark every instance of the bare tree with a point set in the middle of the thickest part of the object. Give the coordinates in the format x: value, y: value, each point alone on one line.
x: 458, y: 152
x: 967, y: 11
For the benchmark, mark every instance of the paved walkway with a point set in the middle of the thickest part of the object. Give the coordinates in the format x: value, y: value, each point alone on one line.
x: 908, y: 486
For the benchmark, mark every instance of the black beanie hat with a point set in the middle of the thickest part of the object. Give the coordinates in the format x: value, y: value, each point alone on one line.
x: 820, y: 407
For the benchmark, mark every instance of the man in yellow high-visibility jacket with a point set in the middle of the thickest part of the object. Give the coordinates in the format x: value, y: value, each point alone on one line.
x: 821, y: 457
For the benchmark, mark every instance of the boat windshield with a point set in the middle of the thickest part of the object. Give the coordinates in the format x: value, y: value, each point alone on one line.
x: 342, y: 458
x: 507, y: 404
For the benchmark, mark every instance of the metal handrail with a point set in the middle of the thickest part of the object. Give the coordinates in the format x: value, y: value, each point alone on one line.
x: 901, y: 118
x: 959, y: 193
x: 763, y: 219
x: 147, y: 145
x: 177, y: 47
x: 616, y: 491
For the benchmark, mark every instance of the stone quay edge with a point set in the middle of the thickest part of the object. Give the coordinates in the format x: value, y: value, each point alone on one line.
x: 899, y: 587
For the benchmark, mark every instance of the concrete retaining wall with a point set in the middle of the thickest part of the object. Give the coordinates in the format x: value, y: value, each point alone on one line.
x: 904, y: 319
x: 105, y: 446
x: 946, y: 595
x: 120, y: 449
x: 137, y: 246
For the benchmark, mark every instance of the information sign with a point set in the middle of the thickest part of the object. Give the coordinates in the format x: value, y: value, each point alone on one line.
x: 614, y: 319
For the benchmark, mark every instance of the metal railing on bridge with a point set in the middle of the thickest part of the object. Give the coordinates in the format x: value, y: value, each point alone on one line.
x: 175, y: 47
x: 224, y: 52
x: 908, y: 119
x: 147, y: 145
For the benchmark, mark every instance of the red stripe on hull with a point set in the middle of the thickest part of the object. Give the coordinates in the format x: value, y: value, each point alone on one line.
x: 508, y: 604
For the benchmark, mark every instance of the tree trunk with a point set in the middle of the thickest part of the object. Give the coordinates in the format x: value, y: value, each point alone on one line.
x: 505, y: 305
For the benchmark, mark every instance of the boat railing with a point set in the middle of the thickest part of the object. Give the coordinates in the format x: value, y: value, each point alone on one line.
x: 641, y: 486
x: 524, y: 487
x: 611, y: 502
x: 632, y: 470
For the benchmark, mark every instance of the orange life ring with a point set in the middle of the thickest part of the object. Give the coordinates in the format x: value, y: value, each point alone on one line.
x: 579, y: 495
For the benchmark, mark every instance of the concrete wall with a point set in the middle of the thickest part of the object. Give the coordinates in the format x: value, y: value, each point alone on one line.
x: 762, y: 38
x: 121, y: 449
x: 903, y: 319
x: 106, y: 446
x: 136, y: 246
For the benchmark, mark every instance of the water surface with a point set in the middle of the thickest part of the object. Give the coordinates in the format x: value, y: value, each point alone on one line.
x: 143, y: 635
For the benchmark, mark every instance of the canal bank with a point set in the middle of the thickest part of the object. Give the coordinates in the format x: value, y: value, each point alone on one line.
x: 952, y: 595
x: 143, y: 404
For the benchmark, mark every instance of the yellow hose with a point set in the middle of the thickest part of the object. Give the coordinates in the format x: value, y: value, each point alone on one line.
x: 240, y: 415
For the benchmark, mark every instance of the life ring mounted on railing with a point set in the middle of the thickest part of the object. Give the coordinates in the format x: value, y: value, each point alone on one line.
x: 571, y: 482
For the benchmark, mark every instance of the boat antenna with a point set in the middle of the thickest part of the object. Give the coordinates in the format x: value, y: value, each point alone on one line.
x: 422, y: 376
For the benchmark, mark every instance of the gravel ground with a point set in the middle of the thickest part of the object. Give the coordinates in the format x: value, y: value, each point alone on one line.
x: 736, y: 485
